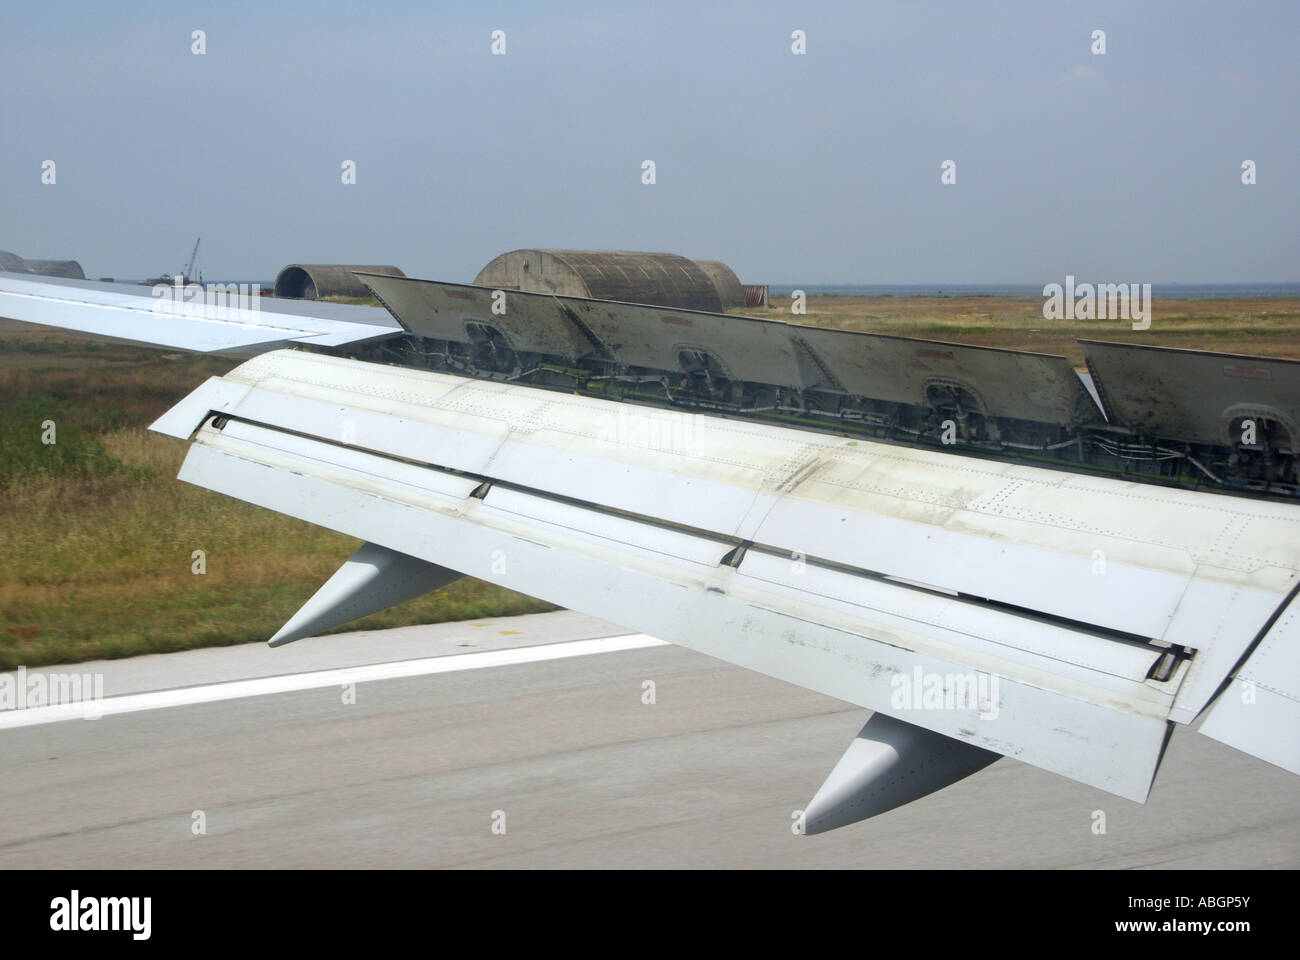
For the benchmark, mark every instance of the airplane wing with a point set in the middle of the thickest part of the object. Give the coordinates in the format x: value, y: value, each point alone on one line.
x: 980, y: 608
x: 214, y: 320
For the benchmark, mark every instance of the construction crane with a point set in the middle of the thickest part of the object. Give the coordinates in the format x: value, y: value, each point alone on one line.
x: 186, y: 277
x: 194, y: 256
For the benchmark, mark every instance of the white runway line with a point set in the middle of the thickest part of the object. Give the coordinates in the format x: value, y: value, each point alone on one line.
x: 260, y: 686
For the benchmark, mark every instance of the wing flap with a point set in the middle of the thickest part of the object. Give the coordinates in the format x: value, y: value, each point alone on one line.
x: 1182, y: 567
x: 861, y: 570
x: 1107, y: 733
x: 1259, y: 712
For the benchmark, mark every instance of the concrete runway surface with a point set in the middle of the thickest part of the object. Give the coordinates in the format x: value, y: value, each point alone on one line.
x: 587, y: 775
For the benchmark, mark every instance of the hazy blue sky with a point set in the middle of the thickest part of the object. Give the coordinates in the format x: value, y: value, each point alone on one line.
x: 816, y: 168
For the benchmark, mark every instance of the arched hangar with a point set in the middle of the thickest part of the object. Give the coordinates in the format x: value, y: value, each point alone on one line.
x: 661, y: 279
x: 313, y: 281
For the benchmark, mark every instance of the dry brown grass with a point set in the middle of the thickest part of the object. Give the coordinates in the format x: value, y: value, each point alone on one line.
x: 1265, y: 326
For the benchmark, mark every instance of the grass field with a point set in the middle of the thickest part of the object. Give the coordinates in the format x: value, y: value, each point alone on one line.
x: 97, y: 536
x: 1266, y: 326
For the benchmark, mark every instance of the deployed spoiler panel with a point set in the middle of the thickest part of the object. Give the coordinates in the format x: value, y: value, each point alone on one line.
x: 1194, y: 395
x: 1176, y: 417
x: 1004, y: 383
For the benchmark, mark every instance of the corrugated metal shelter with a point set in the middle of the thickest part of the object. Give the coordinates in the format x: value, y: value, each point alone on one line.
x: 68, y: 269
x: 730, y: 290
x: 13, y: 263
x: 661, y: 279
x: 311, y: 281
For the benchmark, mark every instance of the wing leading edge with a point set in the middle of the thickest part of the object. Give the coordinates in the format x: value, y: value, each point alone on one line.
x: 204, y: 320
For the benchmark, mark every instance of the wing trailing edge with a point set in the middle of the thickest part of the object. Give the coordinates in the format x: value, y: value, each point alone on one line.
x: 1258, y: 712
x: 1061, y: 620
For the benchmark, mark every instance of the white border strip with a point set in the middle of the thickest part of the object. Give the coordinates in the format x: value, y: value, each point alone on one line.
x: 285, y: 683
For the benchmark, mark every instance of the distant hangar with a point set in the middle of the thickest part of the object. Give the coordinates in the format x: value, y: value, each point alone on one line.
x: 314, y: 281
x: 68, y: 269
x: 661, y: 279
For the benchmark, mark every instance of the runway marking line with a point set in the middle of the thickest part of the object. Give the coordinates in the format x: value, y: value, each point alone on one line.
x: 289, y: 682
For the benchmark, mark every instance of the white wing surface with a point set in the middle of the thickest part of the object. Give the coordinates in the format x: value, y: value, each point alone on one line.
x: 1062, y: 620
x: 208, y: 322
